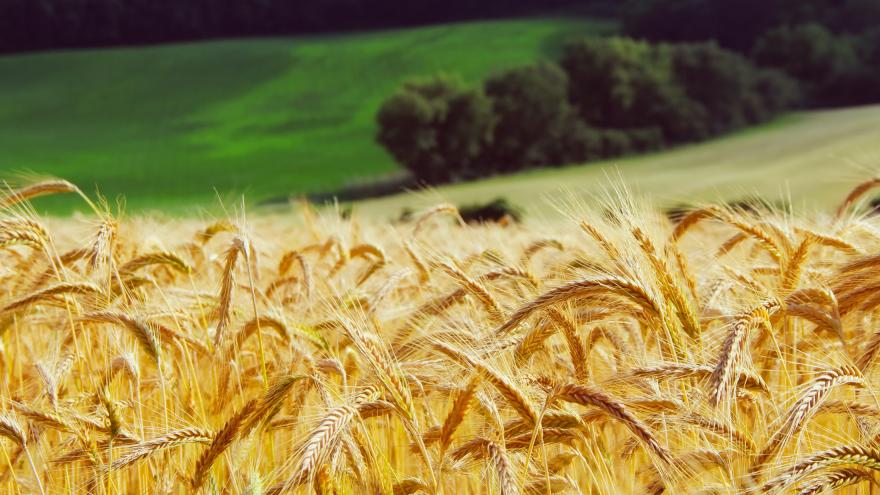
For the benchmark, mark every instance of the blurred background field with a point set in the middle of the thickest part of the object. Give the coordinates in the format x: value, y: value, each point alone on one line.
x: 815, y: 156
x: 167, y: 124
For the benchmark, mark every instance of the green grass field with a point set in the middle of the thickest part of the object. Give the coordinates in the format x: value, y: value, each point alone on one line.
x: 167, y: 125
x: 811, y: 158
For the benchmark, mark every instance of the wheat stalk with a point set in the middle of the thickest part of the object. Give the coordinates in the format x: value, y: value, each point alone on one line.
x: 804, y: 408
x: 221, y: 441
x: 845, y: 454
x: 837, y: 479
x: 590, y: 396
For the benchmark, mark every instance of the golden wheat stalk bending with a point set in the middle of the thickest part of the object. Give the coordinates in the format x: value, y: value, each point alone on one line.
x: 237, y: 247
x: 145, y: 335
x: 221, y: 441
x: 169, y: 440
x: 854, y: 195
x: 867, y: 457
x: 804, y: 408
x: 47, y: 187
x: 616, y: 286
x: 589, y: 396
x: 837, y: 479
x: 11, y: 429
x: 731, y: 351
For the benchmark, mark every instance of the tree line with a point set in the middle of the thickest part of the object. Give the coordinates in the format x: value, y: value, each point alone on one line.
x: 606, y: 97
x: 687, y: 70
x: 831, y: 46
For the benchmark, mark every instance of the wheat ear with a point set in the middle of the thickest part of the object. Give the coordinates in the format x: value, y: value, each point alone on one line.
x: 589, y: 396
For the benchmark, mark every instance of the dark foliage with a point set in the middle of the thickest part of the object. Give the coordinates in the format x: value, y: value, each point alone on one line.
x: 579, y: 142
x: 808, y: 52
x: 532, y: 111
x: 830, y: 46
x: 835, y: 70
x: 618, y: 82
x: 437, y: 128
x: 611, y: 97
x: 669, y: 93
x: 726, y: 90
x: 497, y: 210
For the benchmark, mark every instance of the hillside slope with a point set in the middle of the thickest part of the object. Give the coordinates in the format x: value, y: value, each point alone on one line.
x: 169, y: 124
x: 813, y: 158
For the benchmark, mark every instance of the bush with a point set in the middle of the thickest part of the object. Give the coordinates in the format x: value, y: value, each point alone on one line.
x: 718, y: 80
x: 532, y: 110
x: 832, y: 47
x: 437, y: 128
x: 808, y: 52
x: 811, y: 54
x: 579, y: 143
x: 499, y: 210
x: 683, y: 92
x: 775, y: 92
x: 615, y: 143
x: 646, y: 139
x: 610, y: 97
x: 617, y: 82
x: 730, y: 90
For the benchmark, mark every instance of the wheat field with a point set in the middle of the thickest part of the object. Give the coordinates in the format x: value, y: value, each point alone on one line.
x: 612, y: 352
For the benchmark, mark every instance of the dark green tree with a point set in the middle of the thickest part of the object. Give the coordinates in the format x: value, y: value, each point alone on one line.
x: 437, y: 128
x: 731, y: 91
x: 775, y: 93
x: 533, y: 113
x: 668, y: 93
x: 618, y: 82
x: 835, y: 70
x: 808, y: 52
x: 628, y: 85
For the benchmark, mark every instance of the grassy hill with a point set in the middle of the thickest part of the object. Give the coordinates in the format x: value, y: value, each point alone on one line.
x: 168, y: 125
x: 813, y: 158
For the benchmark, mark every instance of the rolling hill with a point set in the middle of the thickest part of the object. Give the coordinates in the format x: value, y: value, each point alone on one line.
x: 170, y: 125
x: 812, y: 158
